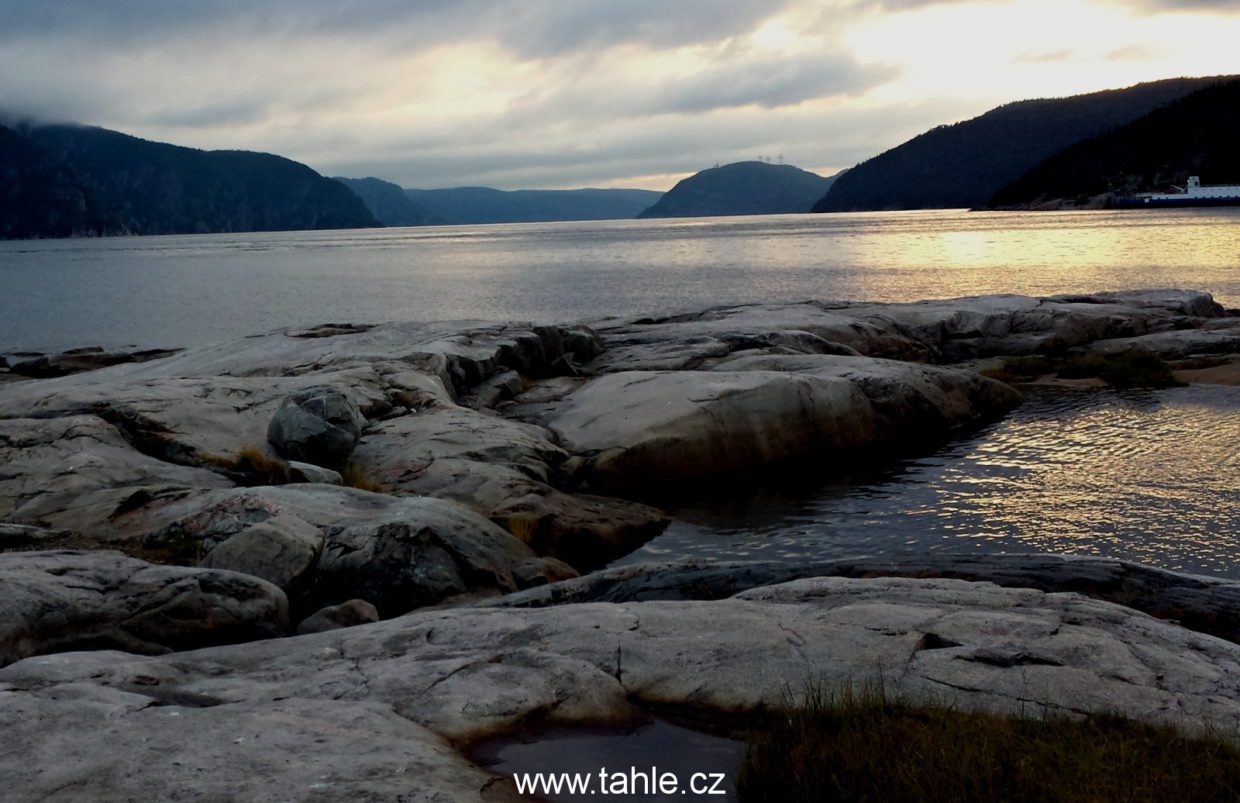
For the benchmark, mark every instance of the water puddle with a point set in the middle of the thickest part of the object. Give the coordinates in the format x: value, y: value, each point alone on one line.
x: 656, y: 760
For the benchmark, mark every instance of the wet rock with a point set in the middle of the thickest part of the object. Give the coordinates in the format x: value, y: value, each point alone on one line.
x: 280, y: 550
x: 372, y: 708
x: 347, y: 614
x: 64, y: 600
x: 319, y: 425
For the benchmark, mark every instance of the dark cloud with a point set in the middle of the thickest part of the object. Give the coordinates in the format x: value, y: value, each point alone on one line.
x: 531, y: 28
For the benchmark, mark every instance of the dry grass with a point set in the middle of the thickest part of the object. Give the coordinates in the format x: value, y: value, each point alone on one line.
x: 867, y: 747
x: 354, y: 476
x: 253, y: 464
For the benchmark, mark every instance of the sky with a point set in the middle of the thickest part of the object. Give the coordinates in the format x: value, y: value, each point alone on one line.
x: 573, y: 93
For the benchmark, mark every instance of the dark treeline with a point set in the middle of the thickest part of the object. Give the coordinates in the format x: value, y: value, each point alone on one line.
x: 1196, y: 135
x: 96, y: 181
x: 965, y: 164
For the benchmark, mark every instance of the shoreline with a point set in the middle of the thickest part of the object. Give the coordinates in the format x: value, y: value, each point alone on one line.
x: 396, y: 530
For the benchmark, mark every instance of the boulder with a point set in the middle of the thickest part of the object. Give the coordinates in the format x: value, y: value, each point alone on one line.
x: 55, y: 601
x: 319, y: 425
x: 347, y: 614
x: 280, y: 550
x: 306, y: 472
x: 397, y: 552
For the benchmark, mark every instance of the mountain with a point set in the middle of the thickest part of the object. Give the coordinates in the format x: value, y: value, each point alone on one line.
x: 484, y: 205
x: 41, y: 197
x: 1194, y: 136
x: 154, y: 188
x: 963, y: 165
x: 742, y: 188
x: 388, y: 202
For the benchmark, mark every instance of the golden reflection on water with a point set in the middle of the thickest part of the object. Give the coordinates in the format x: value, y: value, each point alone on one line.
x: 1141, y: 475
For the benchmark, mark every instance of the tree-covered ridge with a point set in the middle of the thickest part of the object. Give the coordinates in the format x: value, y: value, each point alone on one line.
x: 388, y: 202
x: 154, y: 188
x: 963, y: 165
x: 742, y: 188
x: 1197, y: 135
x: 40, y: 196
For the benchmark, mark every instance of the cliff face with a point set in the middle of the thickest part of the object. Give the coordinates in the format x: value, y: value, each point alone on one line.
x: 154, y: 188
x: 742, y: 188
x: 388, y: 202
x: 40, y: 197
x: 963, y: 165
x: 1195, y: 136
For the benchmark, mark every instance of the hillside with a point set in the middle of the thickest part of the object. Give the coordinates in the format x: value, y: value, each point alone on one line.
x: 40, y: 197
x: 155, y: 188
x: 1195, y: 136
x: 484, y: 205
x: 388, y: 202
x: 742, y: 188
x: 963, y: 165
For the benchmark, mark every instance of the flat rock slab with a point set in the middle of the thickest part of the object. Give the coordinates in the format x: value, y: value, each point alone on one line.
x: 643, y: 427
x: 64, y: 600
x: 373, y: 707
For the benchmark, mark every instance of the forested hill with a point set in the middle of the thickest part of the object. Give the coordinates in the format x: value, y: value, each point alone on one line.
x: 463, y: 205
x: 388, y: 202
x: 742, y: 188
x: 1198, y: 135
x: 965, y: 164
x: 145, y: 187
x: 41, y: 197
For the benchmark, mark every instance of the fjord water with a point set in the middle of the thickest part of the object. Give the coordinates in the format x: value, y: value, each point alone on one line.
x: 1152, y: 476
x: 189, y: 290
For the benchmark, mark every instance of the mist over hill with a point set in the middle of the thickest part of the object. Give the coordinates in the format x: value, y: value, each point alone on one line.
x: 1194, y: 136
x: 965, y: 164
x: 742, y: 188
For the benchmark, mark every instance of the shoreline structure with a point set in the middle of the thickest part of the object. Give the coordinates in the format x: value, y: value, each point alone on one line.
x: 166, y: 520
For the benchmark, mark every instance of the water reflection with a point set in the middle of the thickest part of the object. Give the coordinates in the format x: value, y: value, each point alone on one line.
x: 186, y: 290
x: 1150, y: 476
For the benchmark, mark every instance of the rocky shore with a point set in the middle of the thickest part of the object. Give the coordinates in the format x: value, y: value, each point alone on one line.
x: 170, y: 521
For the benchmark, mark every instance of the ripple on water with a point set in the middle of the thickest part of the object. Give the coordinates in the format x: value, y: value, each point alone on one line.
x: 1149, y: 476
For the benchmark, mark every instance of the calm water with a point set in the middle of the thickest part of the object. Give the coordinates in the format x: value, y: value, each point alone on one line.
x: 185, y: 290
x: 1149, y: 476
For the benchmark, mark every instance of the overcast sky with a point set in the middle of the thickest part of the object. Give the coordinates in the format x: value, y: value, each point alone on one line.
x: 570, y: 93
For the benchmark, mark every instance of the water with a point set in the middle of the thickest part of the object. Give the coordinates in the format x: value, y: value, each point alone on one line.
x: 653, y: 750
x: 1149, y: 476
x: 187, y: 290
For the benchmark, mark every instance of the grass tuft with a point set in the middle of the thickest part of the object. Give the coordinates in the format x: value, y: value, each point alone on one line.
x: 253, y: 464
x: 864, y: 746
x: 354, y: 476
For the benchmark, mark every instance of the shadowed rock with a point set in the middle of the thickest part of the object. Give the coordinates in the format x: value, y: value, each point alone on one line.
x: 65, y: 600
x: 318, y: 425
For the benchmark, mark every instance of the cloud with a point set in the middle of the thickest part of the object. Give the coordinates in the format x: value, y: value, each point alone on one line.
x: 772, y: 83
